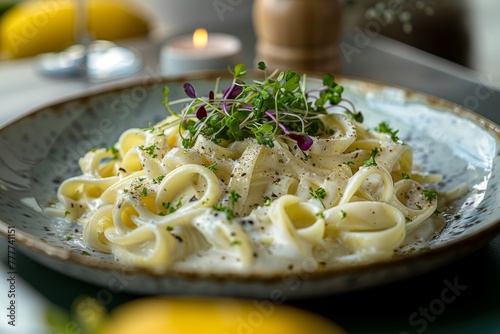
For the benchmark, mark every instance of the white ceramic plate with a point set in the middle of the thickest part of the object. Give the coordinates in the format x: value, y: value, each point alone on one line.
x: 38, y: 151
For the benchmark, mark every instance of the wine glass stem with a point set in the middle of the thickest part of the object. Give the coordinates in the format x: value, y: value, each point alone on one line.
x: 82, y: 35
x: 81, y: 22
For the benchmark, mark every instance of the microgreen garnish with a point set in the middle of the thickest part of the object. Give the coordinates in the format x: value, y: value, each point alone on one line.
x: 150, y: 128
x: 303, y: 141
x: 371, y: 161
x: 383, y: 127
x: 279, y: 106
x: 189, y: 90
x: 319, y: 194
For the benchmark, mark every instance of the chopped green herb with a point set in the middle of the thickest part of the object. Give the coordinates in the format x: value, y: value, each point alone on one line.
x: 233, y: 197
x: 150, y: 150
x: 66, y: 213
x: 171, y: 207
x: 405, y: 176
x: 113, y: 151
x: 349, y: 163
x: 437, y: 212
x: 158, y: 179
x: 267, y: 200
x: 212, y: 167
x: 168, y: 206
x: 318, y: 194
x: 223, y: 208
x: 429, y: 194
x: 383, y: 127
x: 85, y: 253
x: 235, y: 242
x: 343, y: 214
x: 371, y: 161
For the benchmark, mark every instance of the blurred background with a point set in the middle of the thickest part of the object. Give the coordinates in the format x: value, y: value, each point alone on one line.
x: 461, y: 31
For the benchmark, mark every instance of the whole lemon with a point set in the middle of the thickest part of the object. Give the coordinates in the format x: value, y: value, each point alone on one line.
x: 160, y: 315
x: 37, y: 26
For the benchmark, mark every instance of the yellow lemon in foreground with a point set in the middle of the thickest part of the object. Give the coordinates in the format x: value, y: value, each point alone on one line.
x: 179, y: 315
x: 38, y: 26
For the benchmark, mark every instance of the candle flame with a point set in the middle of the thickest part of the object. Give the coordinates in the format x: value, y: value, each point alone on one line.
x: 200, y: 38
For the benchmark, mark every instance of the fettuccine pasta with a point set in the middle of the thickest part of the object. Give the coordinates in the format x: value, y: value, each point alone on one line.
x: 151, y: 200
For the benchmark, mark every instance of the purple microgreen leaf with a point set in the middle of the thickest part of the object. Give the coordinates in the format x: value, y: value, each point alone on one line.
x: 211, y: 96
x: 201, y: 112
x: 304, y: 141
x: 189, y: 90
x: 231, y: 92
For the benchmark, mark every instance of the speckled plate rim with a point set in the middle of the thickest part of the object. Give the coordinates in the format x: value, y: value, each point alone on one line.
x: 448, y: 252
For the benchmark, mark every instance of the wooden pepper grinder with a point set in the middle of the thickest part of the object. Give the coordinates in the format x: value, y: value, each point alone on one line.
x: 301, y: 35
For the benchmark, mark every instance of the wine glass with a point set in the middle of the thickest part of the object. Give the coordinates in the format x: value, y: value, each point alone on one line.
x: 95, y: 60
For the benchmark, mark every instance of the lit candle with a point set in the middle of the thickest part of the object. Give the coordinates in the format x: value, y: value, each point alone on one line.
x: 200, y: 51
